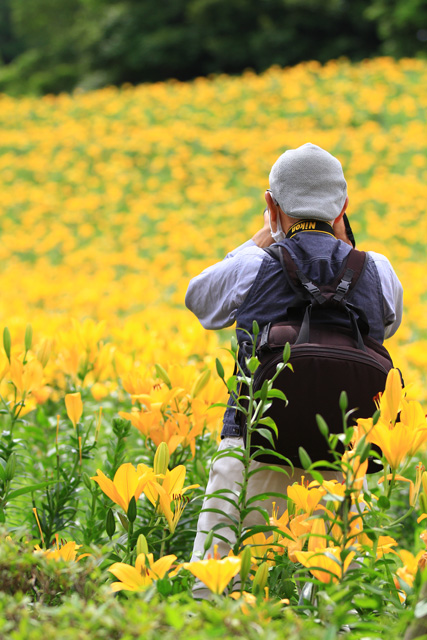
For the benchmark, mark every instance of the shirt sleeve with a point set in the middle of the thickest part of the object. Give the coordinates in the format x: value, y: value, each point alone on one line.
x: 392, y: 294
x: 216, y: 294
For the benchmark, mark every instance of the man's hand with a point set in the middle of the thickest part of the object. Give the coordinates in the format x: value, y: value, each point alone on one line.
x: 263, y: 237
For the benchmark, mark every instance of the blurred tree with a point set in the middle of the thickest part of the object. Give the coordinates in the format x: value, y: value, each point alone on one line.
x: 49, y: 46
x: 401, y: 26
x: 10, y: 45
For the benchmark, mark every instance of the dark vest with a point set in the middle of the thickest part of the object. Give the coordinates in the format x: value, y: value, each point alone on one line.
x: 319, y: 256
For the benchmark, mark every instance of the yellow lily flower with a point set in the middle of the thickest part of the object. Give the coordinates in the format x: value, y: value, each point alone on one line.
x: 142, y: 574
x: 263, y: 548
x: 325, y: 564
x: 396, y: 443
x: 317, y: 539
x: 26, y: 377
x: 74, y: 406
x: 384, y: 545
x: 397, y: 440
x: 296, y: 529
x: 66, y: 551
x: 306, y: 499
x: 390, y: 400
x: 215, y: 573
x: 169, y: 495
x: 128, y: 482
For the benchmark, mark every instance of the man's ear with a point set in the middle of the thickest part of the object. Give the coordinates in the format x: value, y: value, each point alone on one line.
x: 272, y: 208
x: 343, y: 210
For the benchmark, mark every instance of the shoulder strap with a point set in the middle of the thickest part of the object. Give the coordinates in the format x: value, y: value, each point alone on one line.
x: 353, y: 267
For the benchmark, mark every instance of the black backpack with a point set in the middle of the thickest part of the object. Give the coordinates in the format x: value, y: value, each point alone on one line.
x: 331, y: 352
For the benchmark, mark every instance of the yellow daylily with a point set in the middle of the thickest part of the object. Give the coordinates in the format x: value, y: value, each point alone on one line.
x: 66, y: 551
x: 390, y: 400
x: 26, y: 377
x: 172, y: 484
x: 74, y: 406
x: 396, y: 443
x: 128, y: 482
x: 214, y: 572
x: 249, y: 601
x: 142, y: 574
x: 263, y: 548
x: 325, y: 564
x: 296, y: 530
x: 397, y: 440
x: 306, y: 499
x: 170, y: 492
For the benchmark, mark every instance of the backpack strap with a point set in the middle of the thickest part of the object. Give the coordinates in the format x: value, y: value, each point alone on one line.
x: 336, y: 292
x: 353, y: 267
x: 295, y: 277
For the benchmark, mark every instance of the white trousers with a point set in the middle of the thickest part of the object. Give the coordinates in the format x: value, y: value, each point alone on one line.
x: 226, y: 473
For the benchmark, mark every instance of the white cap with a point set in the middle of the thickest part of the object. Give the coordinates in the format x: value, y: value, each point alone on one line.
x: 308, y: 182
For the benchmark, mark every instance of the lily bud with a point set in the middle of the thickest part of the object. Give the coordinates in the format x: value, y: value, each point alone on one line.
x: 131, y: 512
x: 245, y: 567
x: 161, y: 459
x: 7, y: 342
x: 44, y: 351
x: 200, y: 383
x: 141, y: 545
x: 74, y: 406
x: 28, y: 340
x: 208, y: 541
x: 110, y: 523
x: 423, y: 502
x: 10, y: 468
x: 260, y: 580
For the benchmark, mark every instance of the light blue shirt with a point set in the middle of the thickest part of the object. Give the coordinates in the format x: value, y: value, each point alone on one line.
x: 216, y: 294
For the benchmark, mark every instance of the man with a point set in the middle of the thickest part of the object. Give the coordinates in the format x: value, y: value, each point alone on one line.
x: 306, y: 185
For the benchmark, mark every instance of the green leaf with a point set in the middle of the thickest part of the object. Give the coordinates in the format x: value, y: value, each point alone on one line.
x: 234, y: 344
x: 232, y: 384
x: 276, y: 393
x: 286, y: 352
x: 316, y: 475
x: 33, y: 487
x: 218, y: 404
x: 264, y: 391
x: 269, y: 422
x: 304, y: 457
x: 365, y: 452
x: 265, y: 433
x: 219, y: 369
x: 365, y: 602
x: 252, y: 364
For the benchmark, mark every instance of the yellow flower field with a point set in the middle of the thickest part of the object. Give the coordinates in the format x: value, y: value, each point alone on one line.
x: 112, y: 200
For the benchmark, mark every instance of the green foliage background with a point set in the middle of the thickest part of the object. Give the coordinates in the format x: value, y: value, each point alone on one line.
x: 50, y: 46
